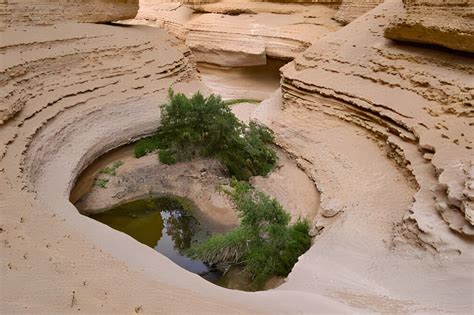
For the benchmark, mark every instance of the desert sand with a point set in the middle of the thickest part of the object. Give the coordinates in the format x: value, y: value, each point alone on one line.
x: 381, y: 132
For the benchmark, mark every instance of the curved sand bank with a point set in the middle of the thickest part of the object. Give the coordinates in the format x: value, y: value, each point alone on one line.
x: 70, y: 261
x: 78, y: 91
x: 198, y: 180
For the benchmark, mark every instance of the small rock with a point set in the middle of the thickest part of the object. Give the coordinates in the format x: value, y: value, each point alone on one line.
x: 332, y: 208
x: 428, y: 156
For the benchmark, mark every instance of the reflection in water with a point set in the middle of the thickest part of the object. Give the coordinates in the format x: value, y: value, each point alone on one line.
x: 163, y: 224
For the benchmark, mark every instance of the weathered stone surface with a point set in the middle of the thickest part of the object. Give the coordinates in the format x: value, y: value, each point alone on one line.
x: 34, y: 12
x: 349, y: 10
x: 265, y: 30
x: 445, y: 23
x: 74, y: 92
x: 248, y: 39
x: 415, y: 100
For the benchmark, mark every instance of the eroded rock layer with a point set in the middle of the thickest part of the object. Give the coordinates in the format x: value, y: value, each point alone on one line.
x: 350, y: 101
x: 72, y: 93
x: 394, y: 234
x: 417, y: 101
x: 445, y: 23
x: 34, y: 12
x: 349, y: 10
x: 228, y: 39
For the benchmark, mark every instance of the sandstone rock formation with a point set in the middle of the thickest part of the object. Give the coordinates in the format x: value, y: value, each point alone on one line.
x: 445, y: 23
x: 415, y: 103
x: 245, y: 39
x: 349, y: 10
x: 428, y: 122
x: 384, y: 129
x: 71, y: 93
x: 213, y: 209
x: 34, y: 12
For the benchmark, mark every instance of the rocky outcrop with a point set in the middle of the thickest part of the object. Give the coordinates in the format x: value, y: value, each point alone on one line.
x: 169, y: 16
x: 247, y: 40
x: 197, y: 3
x: 72, y: 93
x: 391, y: 227
x: 38, y: 12
x: 415, y: 100
x: 31, y: 57
x: 445, y: 23
x: 349, y: 10
x: 385, y: 130
x: 244, y: 39
x: 197, y: 180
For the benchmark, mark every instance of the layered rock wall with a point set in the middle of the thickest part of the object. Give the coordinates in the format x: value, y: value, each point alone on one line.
x: 73, y: 92
x: 227, y: 39
x: 349, y: 10
x: 38, y: 12
x: 416, y: 100
x: 445, y: 23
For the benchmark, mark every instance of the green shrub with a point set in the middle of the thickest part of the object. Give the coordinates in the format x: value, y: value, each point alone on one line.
x: 229, y: 247
x: 241, y: 100
x: 146, y: 145
x: 166, y: 157
x: 206, y: 127
x: 101, y: 182
x: 264, y: 243
x: 111, y: 170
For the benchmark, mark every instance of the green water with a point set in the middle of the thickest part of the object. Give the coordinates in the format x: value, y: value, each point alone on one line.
x: 165, y: 224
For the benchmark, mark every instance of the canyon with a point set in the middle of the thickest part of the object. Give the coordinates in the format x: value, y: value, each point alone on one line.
x: 374, y: 109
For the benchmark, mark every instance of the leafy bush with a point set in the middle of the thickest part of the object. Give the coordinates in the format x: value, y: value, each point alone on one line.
x: 206, y: 127
x: 241, y: 100
x: 146, y: 145
x: 166, y: 157
x: 264, y: 243
x: 101, y: 182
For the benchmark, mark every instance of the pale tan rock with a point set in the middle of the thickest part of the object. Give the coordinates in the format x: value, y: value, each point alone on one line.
x: 364, y: 71
x: 74, y: 92
x: 349, y: 10
x: 244, y: 39
x: 358, y: 114
x: 39, y: 12
x: 445, y: 23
